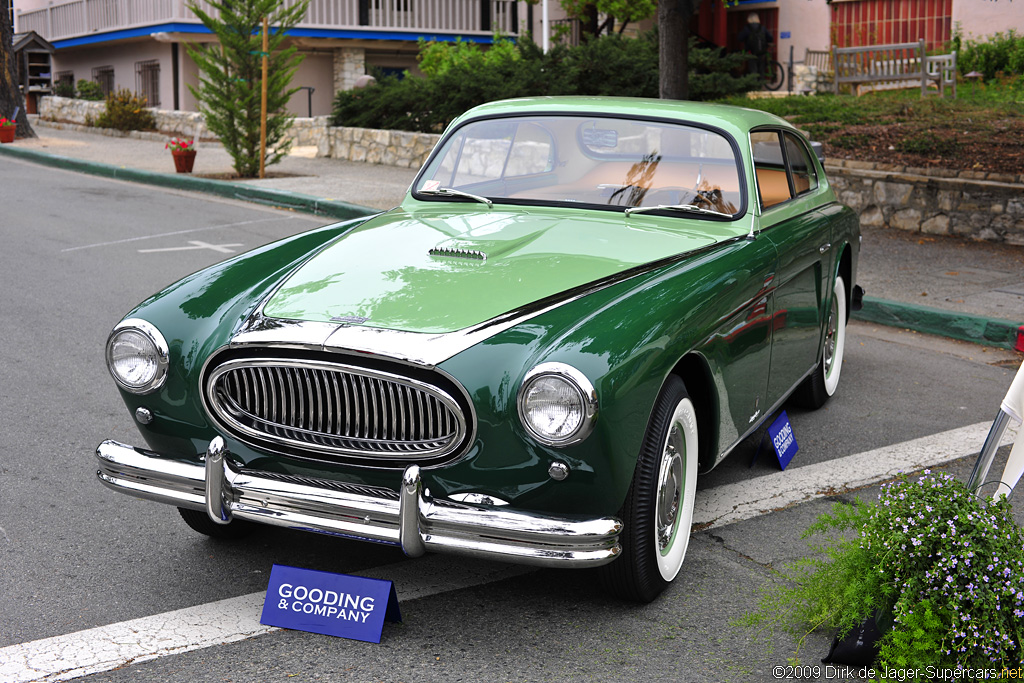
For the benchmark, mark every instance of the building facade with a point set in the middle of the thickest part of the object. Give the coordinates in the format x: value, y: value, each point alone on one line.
x: 141, y: 44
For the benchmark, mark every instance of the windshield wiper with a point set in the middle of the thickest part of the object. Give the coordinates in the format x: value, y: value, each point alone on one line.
x: 693, y: 208
x: 451, y: 192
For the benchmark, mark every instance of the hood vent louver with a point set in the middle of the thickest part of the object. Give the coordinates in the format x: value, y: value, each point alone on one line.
x: 452, y: 252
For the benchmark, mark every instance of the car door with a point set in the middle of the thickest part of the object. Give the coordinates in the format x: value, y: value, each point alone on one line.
x: 787, y: 187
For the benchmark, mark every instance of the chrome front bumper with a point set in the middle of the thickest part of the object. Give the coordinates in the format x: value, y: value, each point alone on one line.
x: 407, y: 518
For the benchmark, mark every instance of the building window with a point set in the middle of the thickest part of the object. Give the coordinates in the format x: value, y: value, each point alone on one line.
x: 147, y: 81
x: 64, y: 83
x: 104, y: 75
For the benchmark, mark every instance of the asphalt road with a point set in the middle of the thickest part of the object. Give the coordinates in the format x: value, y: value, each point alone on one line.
x: 78, y: 252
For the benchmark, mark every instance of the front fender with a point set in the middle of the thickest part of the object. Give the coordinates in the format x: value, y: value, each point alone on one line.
x: 199, y: 314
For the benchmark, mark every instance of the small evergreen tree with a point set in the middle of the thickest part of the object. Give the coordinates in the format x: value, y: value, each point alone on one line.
x: 230, y: 74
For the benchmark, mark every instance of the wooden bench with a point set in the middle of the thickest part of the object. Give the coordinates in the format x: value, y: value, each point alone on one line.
x: 819, y: 59
x: 898, y: 65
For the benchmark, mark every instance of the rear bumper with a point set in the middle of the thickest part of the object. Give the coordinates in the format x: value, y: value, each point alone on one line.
x: 407, y: 518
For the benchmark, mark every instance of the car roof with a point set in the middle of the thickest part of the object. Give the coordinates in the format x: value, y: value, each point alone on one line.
x: 736, y: 120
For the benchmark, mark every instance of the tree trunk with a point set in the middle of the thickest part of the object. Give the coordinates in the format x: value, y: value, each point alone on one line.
x: 11, y: 97
x: 674, y: 48
x: 588, y: 19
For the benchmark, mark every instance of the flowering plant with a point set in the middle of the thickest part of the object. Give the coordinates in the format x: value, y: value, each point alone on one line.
x: 5, y: 122
x: 180, y: 145
x: 945, y: 565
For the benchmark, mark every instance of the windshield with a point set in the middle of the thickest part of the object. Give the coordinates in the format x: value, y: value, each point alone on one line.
x: 594, y: 161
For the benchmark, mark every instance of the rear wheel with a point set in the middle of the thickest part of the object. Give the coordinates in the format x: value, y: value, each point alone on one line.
x: 774, y: 75
x: 201, y: 522
x: 824, y: 381
x: 658, y: 512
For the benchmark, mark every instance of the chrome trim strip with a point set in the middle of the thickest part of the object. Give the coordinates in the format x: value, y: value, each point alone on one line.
x: 411, y: 520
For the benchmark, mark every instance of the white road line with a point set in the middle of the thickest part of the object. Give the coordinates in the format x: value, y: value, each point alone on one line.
x: 107, y: 647
x: 226, y: 621
x: 735, y: 502
x: 178, y: 232
x: 196, y: 244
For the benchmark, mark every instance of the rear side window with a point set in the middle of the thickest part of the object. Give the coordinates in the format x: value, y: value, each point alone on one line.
x: 770, y: 168
x: 804, y: 177
x: 782, y: 166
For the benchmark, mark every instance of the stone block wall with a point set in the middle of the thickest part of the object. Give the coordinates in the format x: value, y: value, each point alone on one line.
x: 393, y: 148
x: 389, y: 147
x: 983, y: 206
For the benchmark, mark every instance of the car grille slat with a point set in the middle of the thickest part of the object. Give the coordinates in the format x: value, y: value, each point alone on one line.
x: 332, y: 408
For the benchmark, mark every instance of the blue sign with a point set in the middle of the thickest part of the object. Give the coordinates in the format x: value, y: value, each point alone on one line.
x: 784, y: 35
x: 783, y: 441
x: 351, y: 607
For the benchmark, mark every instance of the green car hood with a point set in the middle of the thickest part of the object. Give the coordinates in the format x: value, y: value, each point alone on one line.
x: 442, y: 269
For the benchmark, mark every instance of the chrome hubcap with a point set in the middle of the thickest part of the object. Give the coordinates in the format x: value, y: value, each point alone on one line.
x: 830, y: 337
x: 670, y: 489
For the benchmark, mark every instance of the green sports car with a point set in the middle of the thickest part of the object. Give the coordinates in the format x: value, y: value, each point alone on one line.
x: 581, y: 304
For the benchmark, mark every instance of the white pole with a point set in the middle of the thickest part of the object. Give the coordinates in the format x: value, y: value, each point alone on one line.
x: 546, y: 27
x: 1013, y: 405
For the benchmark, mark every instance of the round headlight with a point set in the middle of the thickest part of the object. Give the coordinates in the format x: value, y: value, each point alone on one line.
x: 557, y: 404
x: 137, y: 356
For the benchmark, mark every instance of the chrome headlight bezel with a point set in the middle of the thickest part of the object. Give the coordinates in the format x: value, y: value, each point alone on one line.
x: 159, y: 352
x: 585, y: 393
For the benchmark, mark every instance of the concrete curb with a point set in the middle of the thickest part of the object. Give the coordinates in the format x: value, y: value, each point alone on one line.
x: 277, y: 198
x: 963, y: 326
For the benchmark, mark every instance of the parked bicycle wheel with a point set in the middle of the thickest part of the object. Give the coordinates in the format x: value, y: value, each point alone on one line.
x: 773, y: 75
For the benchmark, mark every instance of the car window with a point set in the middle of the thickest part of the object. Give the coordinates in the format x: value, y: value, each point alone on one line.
x: 805, y: 178
x: 773, y: 185
x: 587, y: 160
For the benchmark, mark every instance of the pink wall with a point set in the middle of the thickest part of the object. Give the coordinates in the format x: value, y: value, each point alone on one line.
x: 978, y: 18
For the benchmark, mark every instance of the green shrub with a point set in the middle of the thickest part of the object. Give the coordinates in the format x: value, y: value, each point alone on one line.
x: 436, y: 58
x: 462, y: 75
x: 1000, y: 53
x: 64, y: 89
x: 462, y: 78
x: 946, y: 566
x: 89, y: 90
x: 126, y: 111
x: 613, y: 65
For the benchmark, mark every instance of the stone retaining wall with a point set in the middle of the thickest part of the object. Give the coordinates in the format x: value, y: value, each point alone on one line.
x: 392, y: 148
x: 983, y: 206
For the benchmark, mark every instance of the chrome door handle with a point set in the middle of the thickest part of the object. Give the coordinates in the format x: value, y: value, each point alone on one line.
x: 825, y: 247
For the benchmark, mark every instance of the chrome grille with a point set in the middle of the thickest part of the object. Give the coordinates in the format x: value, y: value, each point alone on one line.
x: 335, y: 408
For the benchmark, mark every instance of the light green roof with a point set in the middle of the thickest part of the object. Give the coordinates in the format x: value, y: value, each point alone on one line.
x: 735, y: 120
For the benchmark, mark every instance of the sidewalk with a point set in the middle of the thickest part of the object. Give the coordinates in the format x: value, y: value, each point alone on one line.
x: 965, y: 290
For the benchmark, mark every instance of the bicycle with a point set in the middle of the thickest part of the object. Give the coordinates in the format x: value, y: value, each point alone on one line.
x: 772, y: 75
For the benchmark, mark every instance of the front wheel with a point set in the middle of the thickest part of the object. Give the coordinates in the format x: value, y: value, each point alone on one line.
x: 658, y: 512
x: 824, y: 381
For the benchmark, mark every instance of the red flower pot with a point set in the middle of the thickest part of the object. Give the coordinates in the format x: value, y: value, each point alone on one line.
x: 184, y: 160
x: 7, y: 133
